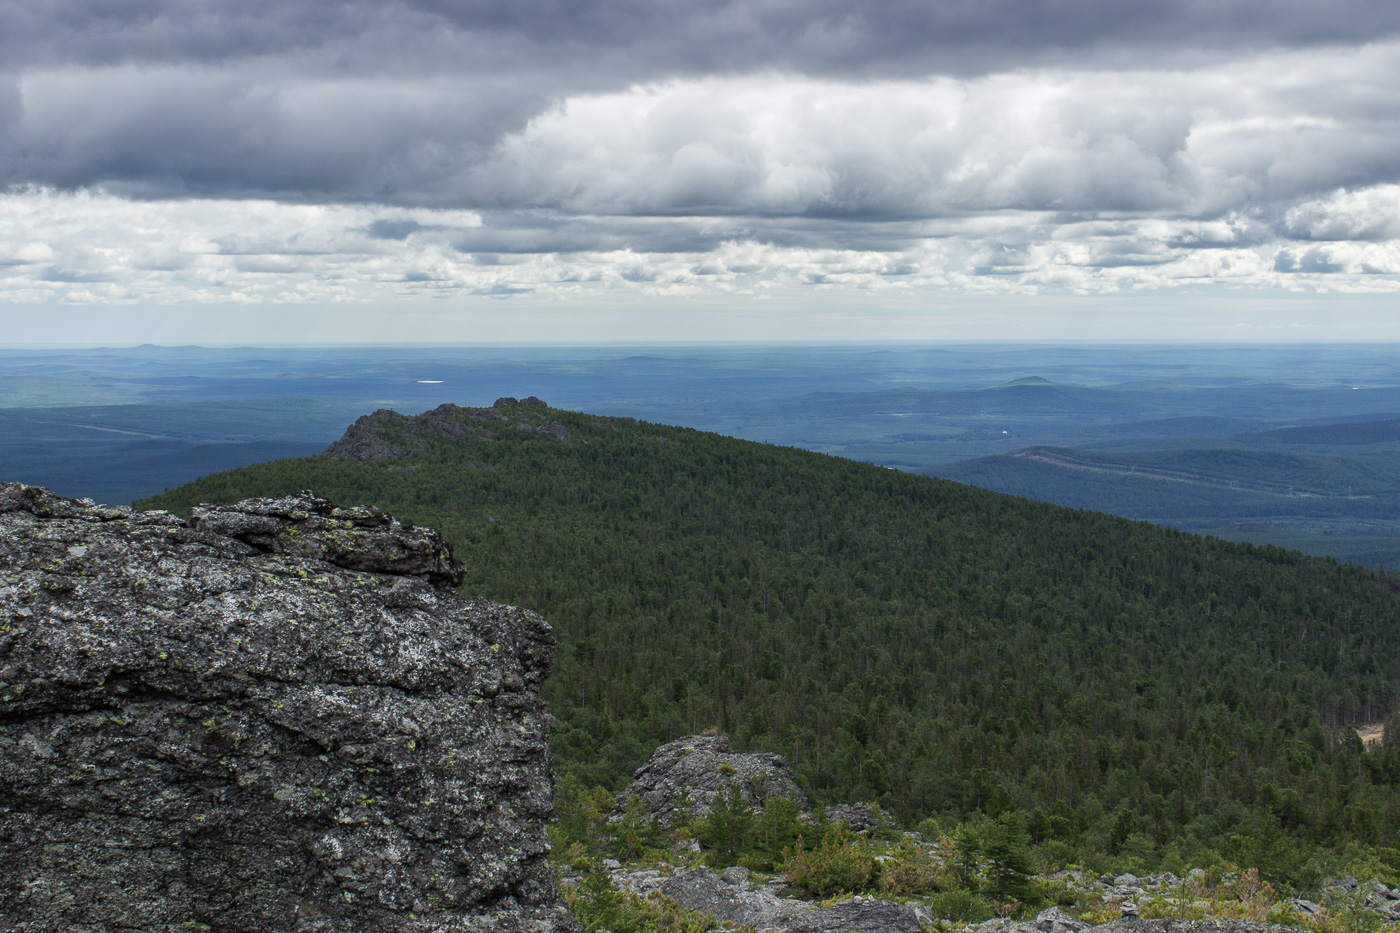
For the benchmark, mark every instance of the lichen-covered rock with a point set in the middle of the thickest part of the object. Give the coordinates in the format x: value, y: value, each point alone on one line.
x: 868, y: 915
x: 696, y: 768
x: 703, y: 891
x: 274, y: 717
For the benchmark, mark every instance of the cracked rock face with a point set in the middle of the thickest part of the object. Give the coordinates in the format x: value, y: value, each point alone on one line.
x: 275, y: 717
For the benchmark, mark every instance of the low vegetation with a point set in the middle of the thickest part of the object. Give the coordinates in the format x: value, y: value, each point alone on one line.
x: 958, y: 875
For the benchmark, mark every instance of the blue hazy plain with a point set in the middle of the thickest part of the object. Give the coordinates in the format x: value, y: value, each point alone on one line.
x: 116, y: 424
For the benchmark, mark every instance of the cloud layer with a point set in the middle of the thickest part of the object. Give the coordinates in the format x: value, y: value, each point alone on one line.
x: 631, y: 41
x: 155, y: 151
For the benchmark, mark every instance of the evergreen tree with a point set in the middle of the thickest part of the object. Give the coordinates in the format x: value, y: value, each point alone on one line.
x: 727, y: 831
x: 1009, y: 862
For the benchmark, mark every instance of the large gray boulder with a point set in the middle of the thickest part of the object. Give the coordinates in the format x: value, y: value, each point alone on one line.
x: 698, y: 767
x: 274, y: 717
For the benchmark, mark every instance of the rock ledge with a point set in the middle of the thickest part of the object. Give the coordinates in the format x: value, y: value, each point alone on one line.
x: 275, y: 717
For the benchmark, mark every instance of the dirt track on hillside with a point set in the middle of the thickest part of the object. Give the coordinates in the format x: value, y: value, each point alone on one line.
x: 1372, y: 733
x: 1041, y: 456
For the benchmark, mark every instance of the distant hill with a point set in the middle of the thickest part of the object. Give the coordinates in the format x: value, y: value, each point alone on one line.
x: 1327, y: 489
x: 1353, y: 433
x: 940, y: 649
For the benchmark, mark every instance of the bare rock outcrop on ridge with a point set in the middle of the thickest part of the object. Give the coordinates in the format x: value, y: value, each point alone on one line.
x: 388, y: 435
x: 276, y: 717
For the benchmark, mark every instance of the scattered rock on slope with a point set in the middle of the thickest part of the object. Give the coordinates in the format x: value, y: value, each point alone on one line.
x: 731, y: 899
x: 1193, y: 926
x: 275, y: 717
x: 698, y: 767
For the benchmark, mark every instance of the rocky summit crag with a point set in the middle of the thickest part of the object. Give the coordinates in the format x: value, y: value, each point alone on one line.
x: 388, y: 435
x: 276, y: 716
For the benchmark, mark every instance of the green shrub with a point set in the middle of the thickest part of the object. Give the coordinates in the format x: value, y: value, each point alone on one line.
x: 1345, y: 913
x: 841, y: 864
x: 775, y: 830
x: 598, y: 906
x: 581, y: 817
x: 1055, y: 854
x: 636, y: 831
x: 961, y: 906
x: 909, y: 871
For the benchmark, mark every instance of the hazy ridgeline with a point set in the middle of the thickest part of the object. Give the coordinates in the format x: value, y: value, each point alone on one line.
x: 1289, y: 445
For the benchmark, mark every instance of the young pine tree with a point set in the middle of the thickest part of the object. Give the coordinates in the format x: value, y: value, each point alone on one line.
x: 1009, y: 864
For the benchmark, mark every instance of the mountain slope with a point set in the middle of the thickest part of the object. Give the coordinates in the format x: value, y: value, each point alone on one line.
x: 940, y: 648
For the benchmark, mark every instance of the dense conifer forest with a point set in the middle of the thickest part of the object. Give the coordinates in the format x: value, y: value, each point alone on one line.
x: 947, y: 652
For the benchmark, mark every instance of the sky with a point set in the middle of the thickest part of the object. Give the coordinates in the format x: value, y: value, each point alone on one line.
x: 360, y: 170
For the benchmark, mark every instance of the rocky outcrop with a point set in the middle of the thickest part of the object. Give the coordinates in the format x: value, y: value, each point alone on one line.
x: 859, y: 818
x: 388, y: 435
x: 273, y: 717
x: 695, y: 769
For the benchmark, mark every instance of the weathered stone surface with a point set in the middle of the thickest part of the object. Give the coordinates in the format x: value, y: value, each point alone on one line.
x: 698, y: 767
x: 271, y: 718
x: 700, y: 889
x: 865, y: 914
x: 357, y: 538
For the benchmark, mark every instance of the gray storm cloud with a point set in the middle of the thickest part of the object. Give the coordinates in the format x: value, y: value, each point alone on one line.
x: 668, y: 145
x: 645, y: 40
x: 770, y: 106
x: 1271, y: 131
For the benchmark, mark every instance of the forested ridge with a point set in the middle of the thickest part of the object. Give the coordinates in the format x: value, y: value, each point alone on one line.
x: 943, y: 650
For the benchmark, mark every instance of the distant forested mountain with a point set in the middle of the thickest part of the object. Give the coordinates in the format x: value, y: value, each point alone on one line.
x: 940, y: 649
